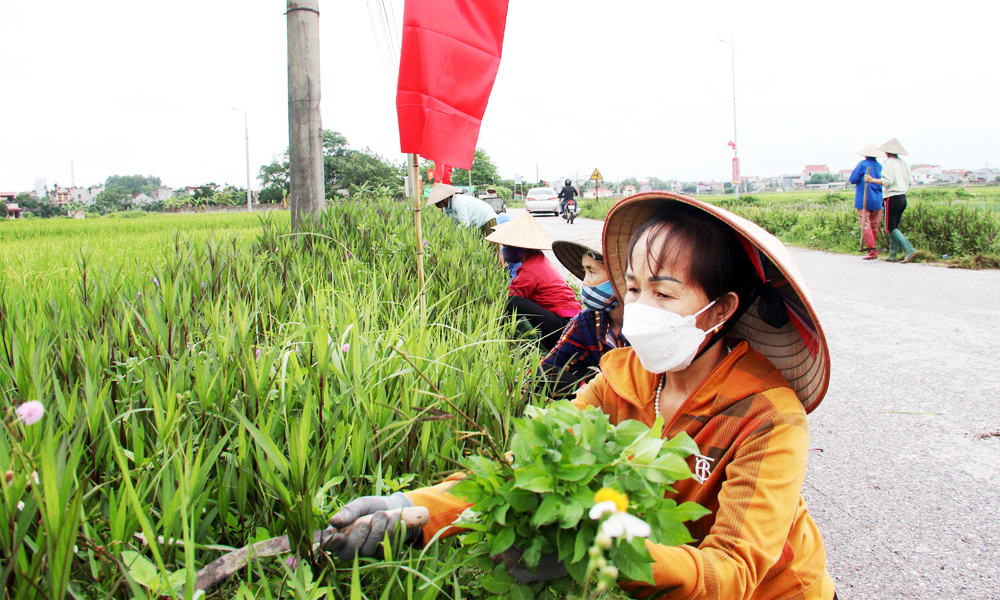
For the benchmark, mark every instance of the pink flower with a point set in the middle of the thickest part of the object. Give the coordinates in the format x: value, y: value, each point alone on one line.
x: 30, y: 412
x: 345, y: 348
x: 292, y: 562
x: 156, y: 281
x: 256, y: 353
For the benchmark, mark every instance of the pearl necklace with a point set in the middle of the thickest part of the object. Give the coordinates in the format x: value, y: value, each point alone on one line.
x: 659, y: 390
x: 663, y: 379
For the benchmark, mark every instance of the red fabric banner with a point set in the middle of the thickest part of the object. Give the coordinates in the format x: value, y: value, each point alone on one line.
x: 450, y: 57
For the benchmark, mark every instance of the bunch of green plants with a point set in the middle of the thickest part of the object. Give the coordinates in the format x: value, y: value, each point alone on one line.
x: 537, y: 502
x: 204, y: 391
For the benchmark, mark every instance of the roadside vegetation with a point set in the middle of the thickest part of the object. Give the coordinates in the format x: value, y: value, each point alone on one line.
x: 214, y: 380
x: 956, y: 226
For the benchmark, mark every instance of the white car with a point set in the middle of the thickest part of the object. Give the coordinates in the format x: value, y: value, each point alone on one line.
x: 543, y: 199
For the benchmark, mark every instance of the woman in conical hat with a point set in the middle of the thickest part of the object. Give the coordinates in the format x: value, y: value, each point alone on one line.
x: 463, y: 209
x: 895, y: 181
x: 537, y: 293
x: 868, y: 198
x: 593, y: 332
x: 726, y: 347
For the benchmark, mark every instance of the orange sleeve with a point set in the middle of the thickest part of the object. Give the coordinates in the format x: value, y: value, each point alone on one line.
x: 591, y: 394
x: 442, y: 504
x: 758, y: 506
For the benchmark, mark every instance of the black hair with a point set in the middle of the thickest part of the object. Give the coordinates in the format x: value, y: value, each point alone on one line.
x: 718, y: 262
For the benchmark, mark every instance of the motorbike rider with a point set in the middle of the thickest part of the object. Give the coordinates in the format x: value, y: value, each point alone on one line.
x: 566, y: 194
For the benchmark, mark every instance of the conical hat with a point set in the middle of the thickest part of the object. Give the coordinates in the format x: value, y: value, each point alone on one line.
x: 893, y: 147
x: 440, y: 191
x: 523, y: 231
x: 798, y: 348
x: 570, y: 252
x: 870, y: 150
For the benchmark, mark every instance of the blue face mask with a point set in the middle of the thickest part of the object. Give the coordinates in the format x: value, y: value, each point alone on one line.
x: 511, y: 255
x: 599, y: 297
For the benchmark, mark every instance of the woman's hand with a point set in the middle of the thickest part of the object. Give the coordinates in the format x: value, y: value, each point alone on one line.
x: 364, y: 538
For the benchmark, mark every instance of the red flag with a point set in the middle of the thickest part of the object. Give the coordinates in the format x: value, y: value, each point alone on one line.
x: 450, y: 56
x: 732, y: 145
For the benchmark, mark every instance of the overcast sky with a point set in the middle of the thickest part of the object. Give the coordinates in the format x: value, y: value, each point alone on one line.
x: 633, y: 87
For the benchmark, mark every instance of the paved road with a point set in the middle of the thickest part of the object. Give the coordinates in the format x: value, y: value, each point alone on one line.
x: 904, y: 469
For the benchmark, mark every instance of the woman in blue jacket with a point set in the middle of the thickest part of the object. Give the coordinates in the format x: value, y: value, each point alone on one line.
x: 869, y: 205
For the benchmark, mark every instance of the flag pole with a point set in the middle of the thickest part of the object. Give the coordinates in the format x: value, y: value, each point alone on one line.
x: 413, y: 168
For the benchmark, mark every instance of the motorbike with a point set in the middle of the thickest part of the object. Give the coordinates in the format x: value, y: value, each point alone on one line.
x: 571, y: 210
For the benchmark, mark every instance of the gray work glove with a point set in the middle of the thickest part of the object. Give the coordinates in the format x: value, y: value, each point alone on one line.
x: 365, y: 539
x: 549, y: 566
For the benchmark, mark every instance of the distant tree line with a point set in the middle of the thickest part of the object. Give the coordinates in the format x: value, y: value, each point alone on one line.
x: 345, y: 171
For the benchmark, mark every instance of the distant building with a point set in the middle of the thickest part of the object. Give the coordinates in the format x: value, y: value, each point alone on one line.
x: 85, y: 195
x: 602, y: 193
x: 986, y: 174
x: 811, y: 170
x: 955, y: 176
x: 140, y: 199
x: 628, y: 190
x: 925, y: 173
x: 60, y: 197
x: 13, y: 210
x: 644, y: 186
x: 161, y: 194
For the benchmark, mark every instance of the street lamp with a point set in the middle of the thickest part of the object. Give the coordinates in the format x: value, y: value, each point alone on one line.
x: 246, y: 131
x: 736, y: 152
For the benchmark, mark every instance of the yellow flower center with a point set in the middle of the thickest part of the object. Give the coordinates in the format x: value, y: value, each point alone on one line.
x: 609, y: 495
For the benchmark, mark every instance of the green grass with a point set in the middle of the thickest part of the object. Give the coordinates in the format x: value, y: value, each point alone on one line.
x: 951, y: 225
x: 213, y: 380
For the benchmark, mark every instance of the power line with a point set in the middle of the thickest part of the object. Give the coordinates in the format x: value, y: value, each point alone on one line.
x: 381, y: 42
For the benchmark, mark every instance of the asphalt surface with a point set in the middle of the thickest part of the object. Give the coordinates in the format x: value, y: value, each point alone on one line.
x: 904, y: 468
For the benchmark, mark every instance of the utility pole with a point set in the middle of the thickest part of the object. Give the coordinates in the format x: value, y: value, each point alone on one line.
x: 305, y: 128
x: 736, y: 141
x: 246, y: 131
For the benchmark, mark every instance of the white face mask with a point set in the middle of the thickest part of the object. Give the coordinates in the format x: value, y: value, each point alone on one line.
x: 665, y: 342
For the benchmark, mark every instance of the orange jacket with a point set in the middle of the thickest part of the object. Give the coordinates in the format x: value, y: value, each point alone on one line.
x: 759, y: 541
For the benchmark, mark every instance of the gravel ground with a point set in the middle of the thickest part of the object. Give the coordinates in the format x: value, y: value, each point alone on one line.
x: 904, y: 470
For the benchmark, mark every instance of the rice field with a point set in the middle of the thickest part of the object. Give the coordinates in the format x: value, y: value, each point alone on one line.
x: 209, y: 381
x: 956, y: 226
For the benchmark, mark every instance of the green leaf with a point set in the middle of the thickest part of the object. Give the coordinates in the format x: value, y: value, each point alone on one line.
x: 548, y: 512
x: 534, y: 552
x: 627, y: 432
x: 503, y: 540
x: 631, y: 564
x: 527, y: 432
x: 500, y: 513
x: 683, y: 443
x: 141, y: 569
x: 672, y: 533
x: 520, y: 500
x: 584, y: 539
x: 573, y: 473
x: 498, y: 581
x: 689, y: 511
x: 565, y: 540
x: 534, y: 479
x: 521, y: 592
x: 668, y: 468
x: 571, y: 514
x: 355, y: 580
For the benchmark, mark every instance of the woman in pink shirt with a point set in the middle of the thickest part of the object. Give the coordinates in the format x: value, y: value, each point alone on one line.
x: 537, y: 293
